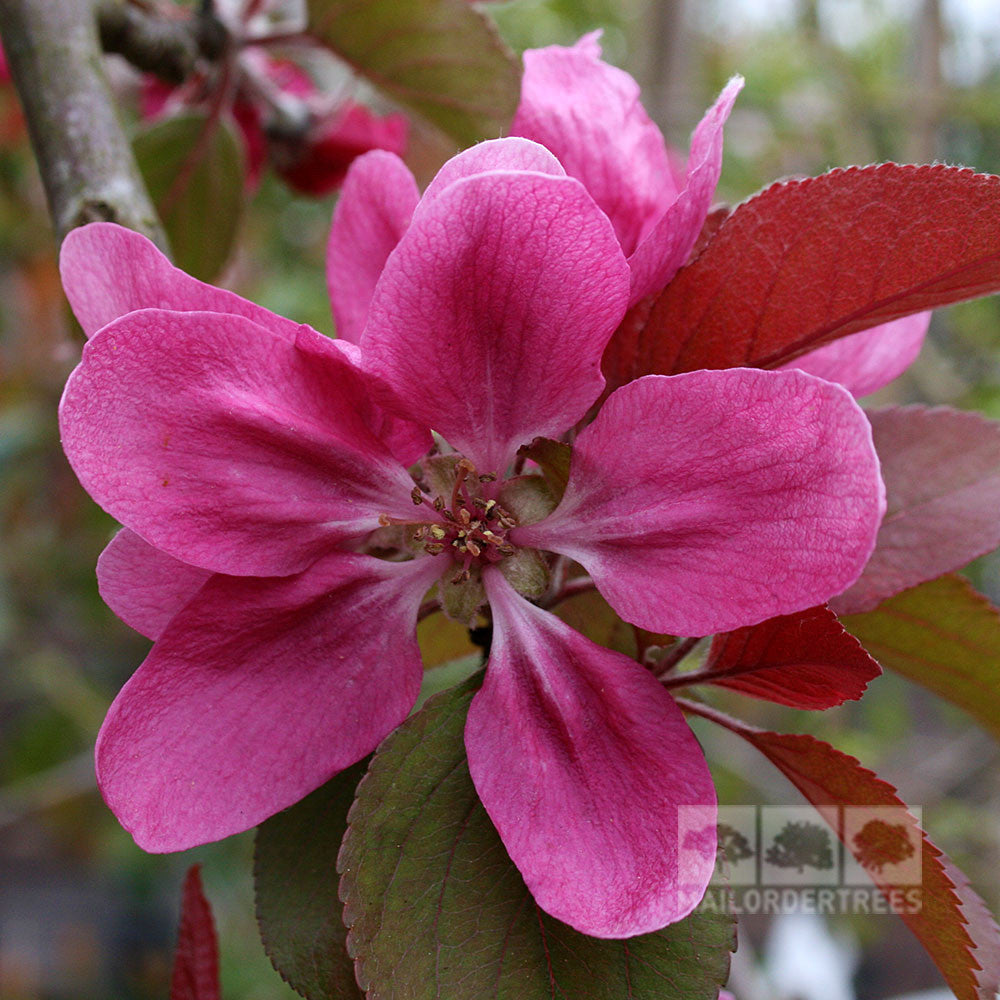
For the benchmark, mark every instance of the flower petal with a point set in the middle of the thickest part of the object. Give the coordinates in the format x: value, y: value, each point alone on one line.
x: 372, y: 213
x: 257, y: 693
x: 491, y: 316
x: 109, y: 271
x: 666, y: 245
x: 225, y: 446
x: 866, y: 361
x: 707, y: 501
x: 144, y: 586
x: 588, y: 113
x: 406, y: 440
x: 494, y: 154
x: 583, y: 762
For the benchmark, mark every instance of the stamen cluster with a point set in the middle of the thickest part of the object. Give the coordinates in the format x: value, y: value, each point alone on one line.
x: 473, y: 528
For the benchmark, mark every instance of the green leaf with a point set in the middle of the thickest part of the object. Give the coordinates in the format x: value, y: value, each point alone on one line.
x: 295, y: 879
x: 437, y: 909
x: 943, y: 635
x: 442, y: 58
x: 553, y: 457
x: 193, y: 167
x: 951, y: 921
x: 593, y: 617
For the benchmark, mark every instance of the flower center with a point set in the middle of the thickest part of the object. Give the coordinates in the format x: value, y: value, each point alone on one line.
x: 469, y: 526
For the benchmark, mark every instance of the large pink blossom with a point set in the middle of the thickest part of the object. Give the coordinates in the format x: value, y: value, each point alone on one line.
x: 278, y: 548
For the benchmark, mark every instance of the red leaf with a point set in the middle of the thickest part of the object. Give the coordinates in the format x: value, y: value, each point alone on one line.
x: 196, y: 961
x: 942, y: 477
x: 808, y: 261
x: 805, y: 660
x: 952, y: 923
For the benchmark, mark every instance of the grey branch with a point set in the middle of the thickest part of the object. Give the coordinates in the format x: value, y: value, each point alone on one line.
x: 84, y: 157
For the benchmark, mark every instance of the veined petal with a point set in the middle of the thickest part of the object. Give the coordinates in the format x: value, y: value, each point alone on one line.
x: 372, y: 213
x: 583, y: 762
x: 707, y: 501
x: 588, y: 113
x: 144, y: 586
x: 491, y: 316
x: 224, y: 445
x: 666, y: 244
x: 406, y: 440
x: 494, y: 154
x: 109, y: 271
x: 258, y: 692
x: 866, y: 361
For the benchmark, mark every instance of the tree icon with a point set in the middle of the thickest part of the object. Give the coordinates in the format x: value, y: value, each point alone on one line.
x: 801, y: 845
x: 878, y: 844
x: 733, y: 846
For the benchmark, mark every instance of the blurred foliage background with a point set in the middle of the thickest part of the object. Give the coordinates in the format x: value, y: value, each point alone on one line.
x: 84, y: 914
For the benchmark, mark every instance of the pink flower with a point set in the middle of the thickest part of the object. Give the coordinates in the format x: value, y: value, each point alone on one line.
x: 588, y: 114
x: 279, y: 550
x: 317, y: 164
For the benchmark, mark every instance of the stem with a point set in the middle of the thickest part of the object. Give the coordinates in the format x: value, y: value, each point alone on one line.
x: 166, y: 48
x: 578, y: 585
x: 85, y: 160
x: 675, y: 654
x: 695, y: 677
x: 720, y: 718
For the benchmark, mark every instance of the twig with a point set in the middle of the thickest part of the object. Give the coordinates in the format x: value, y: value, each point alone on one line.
x: 84, y: 158
x: 168, y: 49
x: 674, y: 654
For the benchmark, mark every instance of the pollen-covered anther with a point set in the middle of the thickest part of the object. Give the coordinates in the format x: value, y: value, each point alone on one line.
x: 473, y: 527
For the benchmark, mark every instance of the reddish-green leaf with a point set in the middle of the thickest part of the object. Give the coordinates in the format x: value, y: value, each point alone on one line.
x: 196, y: 961
x: 442, y: 58
x: 805, y: 660
x: 945, y: 636
x: 942, y: 480
x: 193, y: 168
x: 807, y: 261
x: 295, y: 880
x: 952, y: 922
x: 437, y: 909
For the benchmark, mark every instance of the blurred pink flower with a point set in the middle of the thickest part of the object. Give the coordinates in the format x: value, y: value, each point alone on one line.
x: 259, y: 466
x: 282, y: 116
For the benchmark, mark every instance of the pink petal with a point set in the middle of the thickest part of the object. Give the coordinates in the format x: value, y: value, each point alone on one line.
x: 491, y: 316
x: 666, y: 245
x: 866, y: 361
x: 226, y: 446
x: 588, y: 113
x: 707, y: 501
x: 406, y: 440
x: 372, y: 213
x: 494, y: 154
x: 144, y: 586
x: 583, y: 762
x: 257, y: 693
x: 109, y: 271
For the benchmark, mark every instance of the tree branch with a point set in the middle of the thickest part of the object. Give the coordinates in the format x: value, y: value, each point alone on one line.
x: 85, y: 159
x: 167, y: 48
